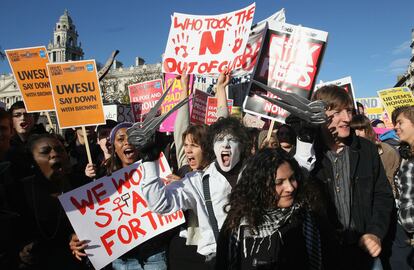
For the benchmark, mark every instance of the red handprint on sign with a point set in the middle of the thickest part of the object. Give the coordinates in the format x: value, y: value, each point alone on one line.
x: 181, y: 47
x: 239, y: 33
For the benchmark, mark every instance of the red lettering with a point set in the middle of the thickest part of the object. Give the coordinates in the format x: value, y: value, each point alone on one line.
x: 136, y: 199
x: 121, y: 237
x: 83, y: 204
x: 98, y: 194
x: 148, y: 215
x: 135, y: 224
x: 213, y: 45
x: 99, y: 212
x: 109, y: 244
x: 122, y: 182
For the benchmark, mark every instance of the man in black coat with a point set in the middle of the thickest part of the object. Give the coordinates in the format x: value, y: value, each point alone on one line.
x: 358, y: 197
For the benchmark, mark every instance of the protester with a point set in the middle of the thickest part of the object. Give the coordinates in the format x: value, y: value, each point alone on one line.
x: 267, y: 224
x: 402, y: 251
x: 389, y: 157
x: 45, y: 227
x: 77, y: 153
x: 230, y: 141
x: 287, y: 139
x: 263, y: 142
x: 103, y: 132
x: 359, y: 197
x: 150, y: 253
x: 378, y: 123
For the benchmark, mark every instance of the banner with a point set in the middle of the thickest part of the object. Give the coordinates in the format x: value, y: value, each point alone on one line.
x: 172, y: 98
x: 113, y: 216
x: 143, y: 97
x: 211, y: 109
x: 289, y: 60
x: 345, y: 83
x: 393, y: 98
x: 207, y: 44
x: 29, y: 69
x: 118, y: 112
x: 76, y: 93
x: 372, y: 107
x: 198, y: 113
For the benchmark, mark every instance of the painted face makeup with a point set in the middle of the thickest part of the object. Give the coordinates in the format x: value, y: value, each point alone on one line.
x: 227, y: 151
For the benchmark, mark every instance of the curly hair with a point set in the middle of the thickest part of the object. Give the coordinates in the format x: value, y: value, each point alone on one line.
x: 231, y: 126
x: 256, y: 190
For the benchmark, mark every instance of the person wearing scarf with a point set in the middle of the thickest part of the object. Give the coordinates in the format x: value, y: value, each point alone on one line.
x: 268, y: 226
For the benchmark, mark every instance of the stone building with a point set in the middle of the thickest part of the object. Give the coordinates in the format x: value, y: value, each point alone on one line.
x: 407, y: 79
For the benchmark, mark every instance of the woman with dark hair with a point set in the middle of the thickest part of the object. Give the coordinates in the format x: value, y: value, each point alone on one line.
x: 265, y: 225
x: 46, y: 228
x: 149, y: 253
x: 389, y: 157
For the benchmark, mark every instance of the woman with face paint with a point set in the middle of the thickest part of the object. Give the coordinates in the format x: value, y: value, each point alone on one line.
x: 150, y: 253
x: 265, y: 226
x: 231, y: 145
x: 45, y: 227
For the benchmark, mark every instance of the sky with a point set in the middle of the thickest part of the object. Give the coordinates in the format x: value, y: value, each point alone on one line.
x: 368, y: 40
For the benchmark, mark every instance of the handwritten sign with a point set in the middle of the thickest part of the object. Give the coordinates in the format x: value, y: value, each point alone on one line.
x: 76, y: 93
x: 29, y: 69
x: 207, y: 44
x: 143, y: 97
x: 112, y: 214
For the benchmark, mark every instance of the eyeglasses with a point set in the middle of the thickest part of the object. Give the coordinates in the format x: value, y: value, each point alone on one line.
x: 20, y: 114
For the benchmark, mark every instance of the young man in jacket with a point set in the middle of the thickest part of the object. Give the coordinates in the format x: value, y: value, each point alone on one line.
x: 358, y: 197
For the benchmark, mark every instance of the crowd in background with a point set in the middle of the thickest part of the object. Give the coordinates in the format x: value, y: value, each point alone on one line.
x: 338, y: 198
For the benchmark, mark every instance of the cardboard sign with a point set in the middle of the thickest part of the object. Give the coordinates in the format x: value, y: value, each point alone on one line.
x: 118, y: 112
x: 289, y: 60
x: 393, y: 98
x: 76, y: 93
x: 143, y: 97
x: 345, y: 83
x: 372, y: 107
x: 207, y: 44
x: 252, y: 121
x: 112, y: 214
x: 29, y: 69
x: 245, y: 67
x: 198, y: 113
x: 172, y: 98
x: 211, y: 109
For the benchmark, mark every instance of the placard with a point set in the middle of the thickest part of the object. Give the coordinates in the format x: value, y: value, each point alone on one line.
x: 143, y: 97
x: 393, y: 98
x: 112, y: 214
x: 76, y: 93
x: 207, y: 44
x: 29, y: 69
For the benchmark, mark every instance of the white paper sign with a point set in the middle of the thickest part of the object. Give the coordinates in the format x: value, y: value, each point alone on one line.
x: 112, y: 214
x: 207, y: 44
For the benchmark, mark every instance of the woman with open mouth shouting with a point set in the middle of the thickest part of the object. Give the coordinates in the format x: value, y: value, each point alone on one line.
x: 151, y: 252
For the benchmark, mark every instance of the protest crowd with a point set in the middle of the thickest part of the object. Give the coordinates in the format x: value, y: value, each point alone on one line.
x: 314, y: 184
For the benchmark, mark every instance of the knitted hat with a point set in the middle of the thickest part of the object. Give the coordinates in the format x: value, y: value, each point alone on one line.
x: 118, y: 127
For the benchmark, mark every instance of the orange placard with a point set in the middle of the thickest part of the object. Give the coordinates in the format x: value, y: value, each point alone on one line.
x: 76, y: 93
x: 29, y: 68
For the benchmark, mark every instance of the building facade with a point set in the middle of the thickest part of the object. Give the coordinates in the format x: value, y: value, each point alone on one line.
x: 64, y: 46
x: 407, y: 79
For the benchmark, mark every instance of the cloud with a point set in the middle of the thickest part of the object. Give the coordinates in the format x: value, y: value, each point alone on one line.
x: 402, y: 48
x: 398, y: 66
